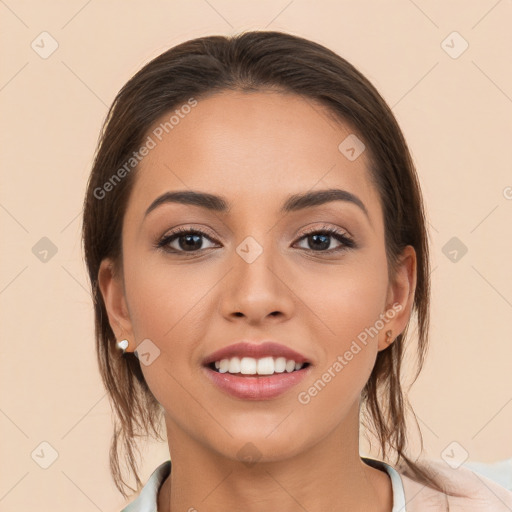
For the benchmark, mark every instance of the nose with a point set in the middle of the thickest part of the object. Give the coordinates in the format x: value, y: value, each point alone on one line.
x: 258, y: 291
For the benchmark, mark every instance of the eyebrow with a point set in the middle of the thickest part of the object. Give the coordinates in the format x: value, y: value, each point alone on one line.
x: 294, y: 202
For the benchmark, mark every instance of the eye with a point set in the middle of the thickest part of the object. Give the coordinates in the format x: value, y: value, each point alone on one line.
x: 188, y: 240
x: 320, y: 240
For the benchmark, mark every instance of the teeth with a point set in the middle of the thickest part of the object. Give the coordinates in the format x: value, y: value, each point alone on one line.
x: 224, y: 365
x: 280, y: 364
x: 248, y: 366
x: 251, y: 366
x: 265, y: 366
x: 234, y: 365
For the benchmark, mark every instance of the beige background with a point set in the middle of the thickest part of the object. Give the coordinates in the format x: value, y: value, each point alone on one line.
x: 456, y: 114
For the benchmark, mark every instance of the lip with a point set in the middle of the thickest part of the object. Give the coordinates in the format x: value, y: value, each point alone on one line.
x: 258, y: 387
x: 255, y: 350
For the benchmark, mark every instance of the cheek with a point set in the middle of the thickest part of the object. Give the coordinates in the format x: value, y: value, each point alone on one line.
x: 351, y: 304
x: 348, y: 298
x: 166, y: 305
x: 349, y: 348
x: 163, y: 299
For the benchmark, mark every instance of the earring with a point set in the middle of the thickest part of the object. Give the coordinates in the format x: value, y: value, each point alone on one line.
x: 123, y: 345
x: 389, y: 337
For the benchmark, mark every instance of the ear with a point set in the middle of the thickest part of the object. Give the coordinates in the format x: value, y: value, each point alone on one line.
x: 112, y: 289
x: 400, y: 297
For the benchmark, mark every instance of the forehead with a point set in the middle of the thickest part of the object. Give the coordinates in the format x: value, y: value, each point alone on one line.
x: 254, y: 148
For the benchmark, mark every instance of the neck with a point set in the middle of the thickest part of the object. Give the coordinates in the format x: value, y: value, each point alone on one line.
x: 328, y: 476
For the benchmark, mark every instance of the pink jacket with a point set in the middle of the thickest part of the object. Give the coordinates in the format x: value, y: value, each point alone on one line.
x: 480, y: 494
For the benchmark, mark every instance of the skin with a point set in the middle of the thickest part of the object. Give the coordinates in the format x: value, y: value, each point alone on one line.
x: 256, y: 149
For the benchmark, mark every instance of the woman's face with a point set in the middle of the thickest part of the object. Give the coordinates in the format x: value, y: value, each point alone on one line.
x: 258, y: 273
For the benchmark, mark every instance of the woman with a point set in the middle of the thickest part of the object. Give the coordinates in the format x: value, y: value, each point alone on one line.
x: 255, y: 238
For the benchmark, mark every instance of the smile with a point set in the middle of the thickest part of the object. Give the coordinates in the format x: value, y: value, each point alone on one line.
x: 252, y: 366
x: 252, y: 386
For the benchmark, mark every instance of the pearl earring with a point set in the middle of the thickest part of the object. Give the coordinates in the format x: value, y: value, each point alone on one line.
x: 389, y: 337
x: 123, y: 345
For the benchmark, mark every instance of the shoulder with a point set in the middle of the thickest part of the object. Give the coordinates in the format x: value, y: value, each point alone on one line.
x: 473, y: 492
x: 146, y: 501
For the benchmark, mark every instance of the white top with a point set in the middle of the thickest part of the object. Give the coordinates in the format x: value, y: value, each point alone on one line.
x: 492, y: 493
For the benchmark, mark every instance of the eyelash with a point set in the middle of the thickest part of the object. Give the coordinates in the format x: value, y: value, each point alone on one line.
x: 340, y: 236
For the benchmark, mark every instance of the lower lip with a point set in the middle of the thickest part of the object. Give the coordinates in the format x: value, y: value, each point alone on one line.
x: 259, y: 387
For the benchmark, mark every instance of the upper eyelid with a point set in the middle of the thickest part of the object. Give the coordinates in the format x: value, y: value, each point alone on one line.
x: 206, y: 231
x: 327, y: 227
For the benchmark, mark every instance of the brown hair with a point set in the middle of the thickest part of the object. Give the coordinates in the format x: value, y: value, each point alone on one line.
x: 253, y: 61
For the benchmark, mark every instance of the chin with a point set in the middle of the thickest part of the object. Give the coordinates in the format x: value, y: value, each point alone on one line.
x: 259, y: 448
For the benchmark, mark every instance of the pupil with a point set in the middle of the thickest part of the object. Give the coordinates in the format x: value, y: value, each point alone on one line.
x: 190, y: 242
x: 325, y: 243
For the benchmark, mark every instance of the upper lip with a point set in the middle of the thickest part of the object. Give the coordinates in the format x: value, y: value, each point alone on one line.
x: 255, y: 350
